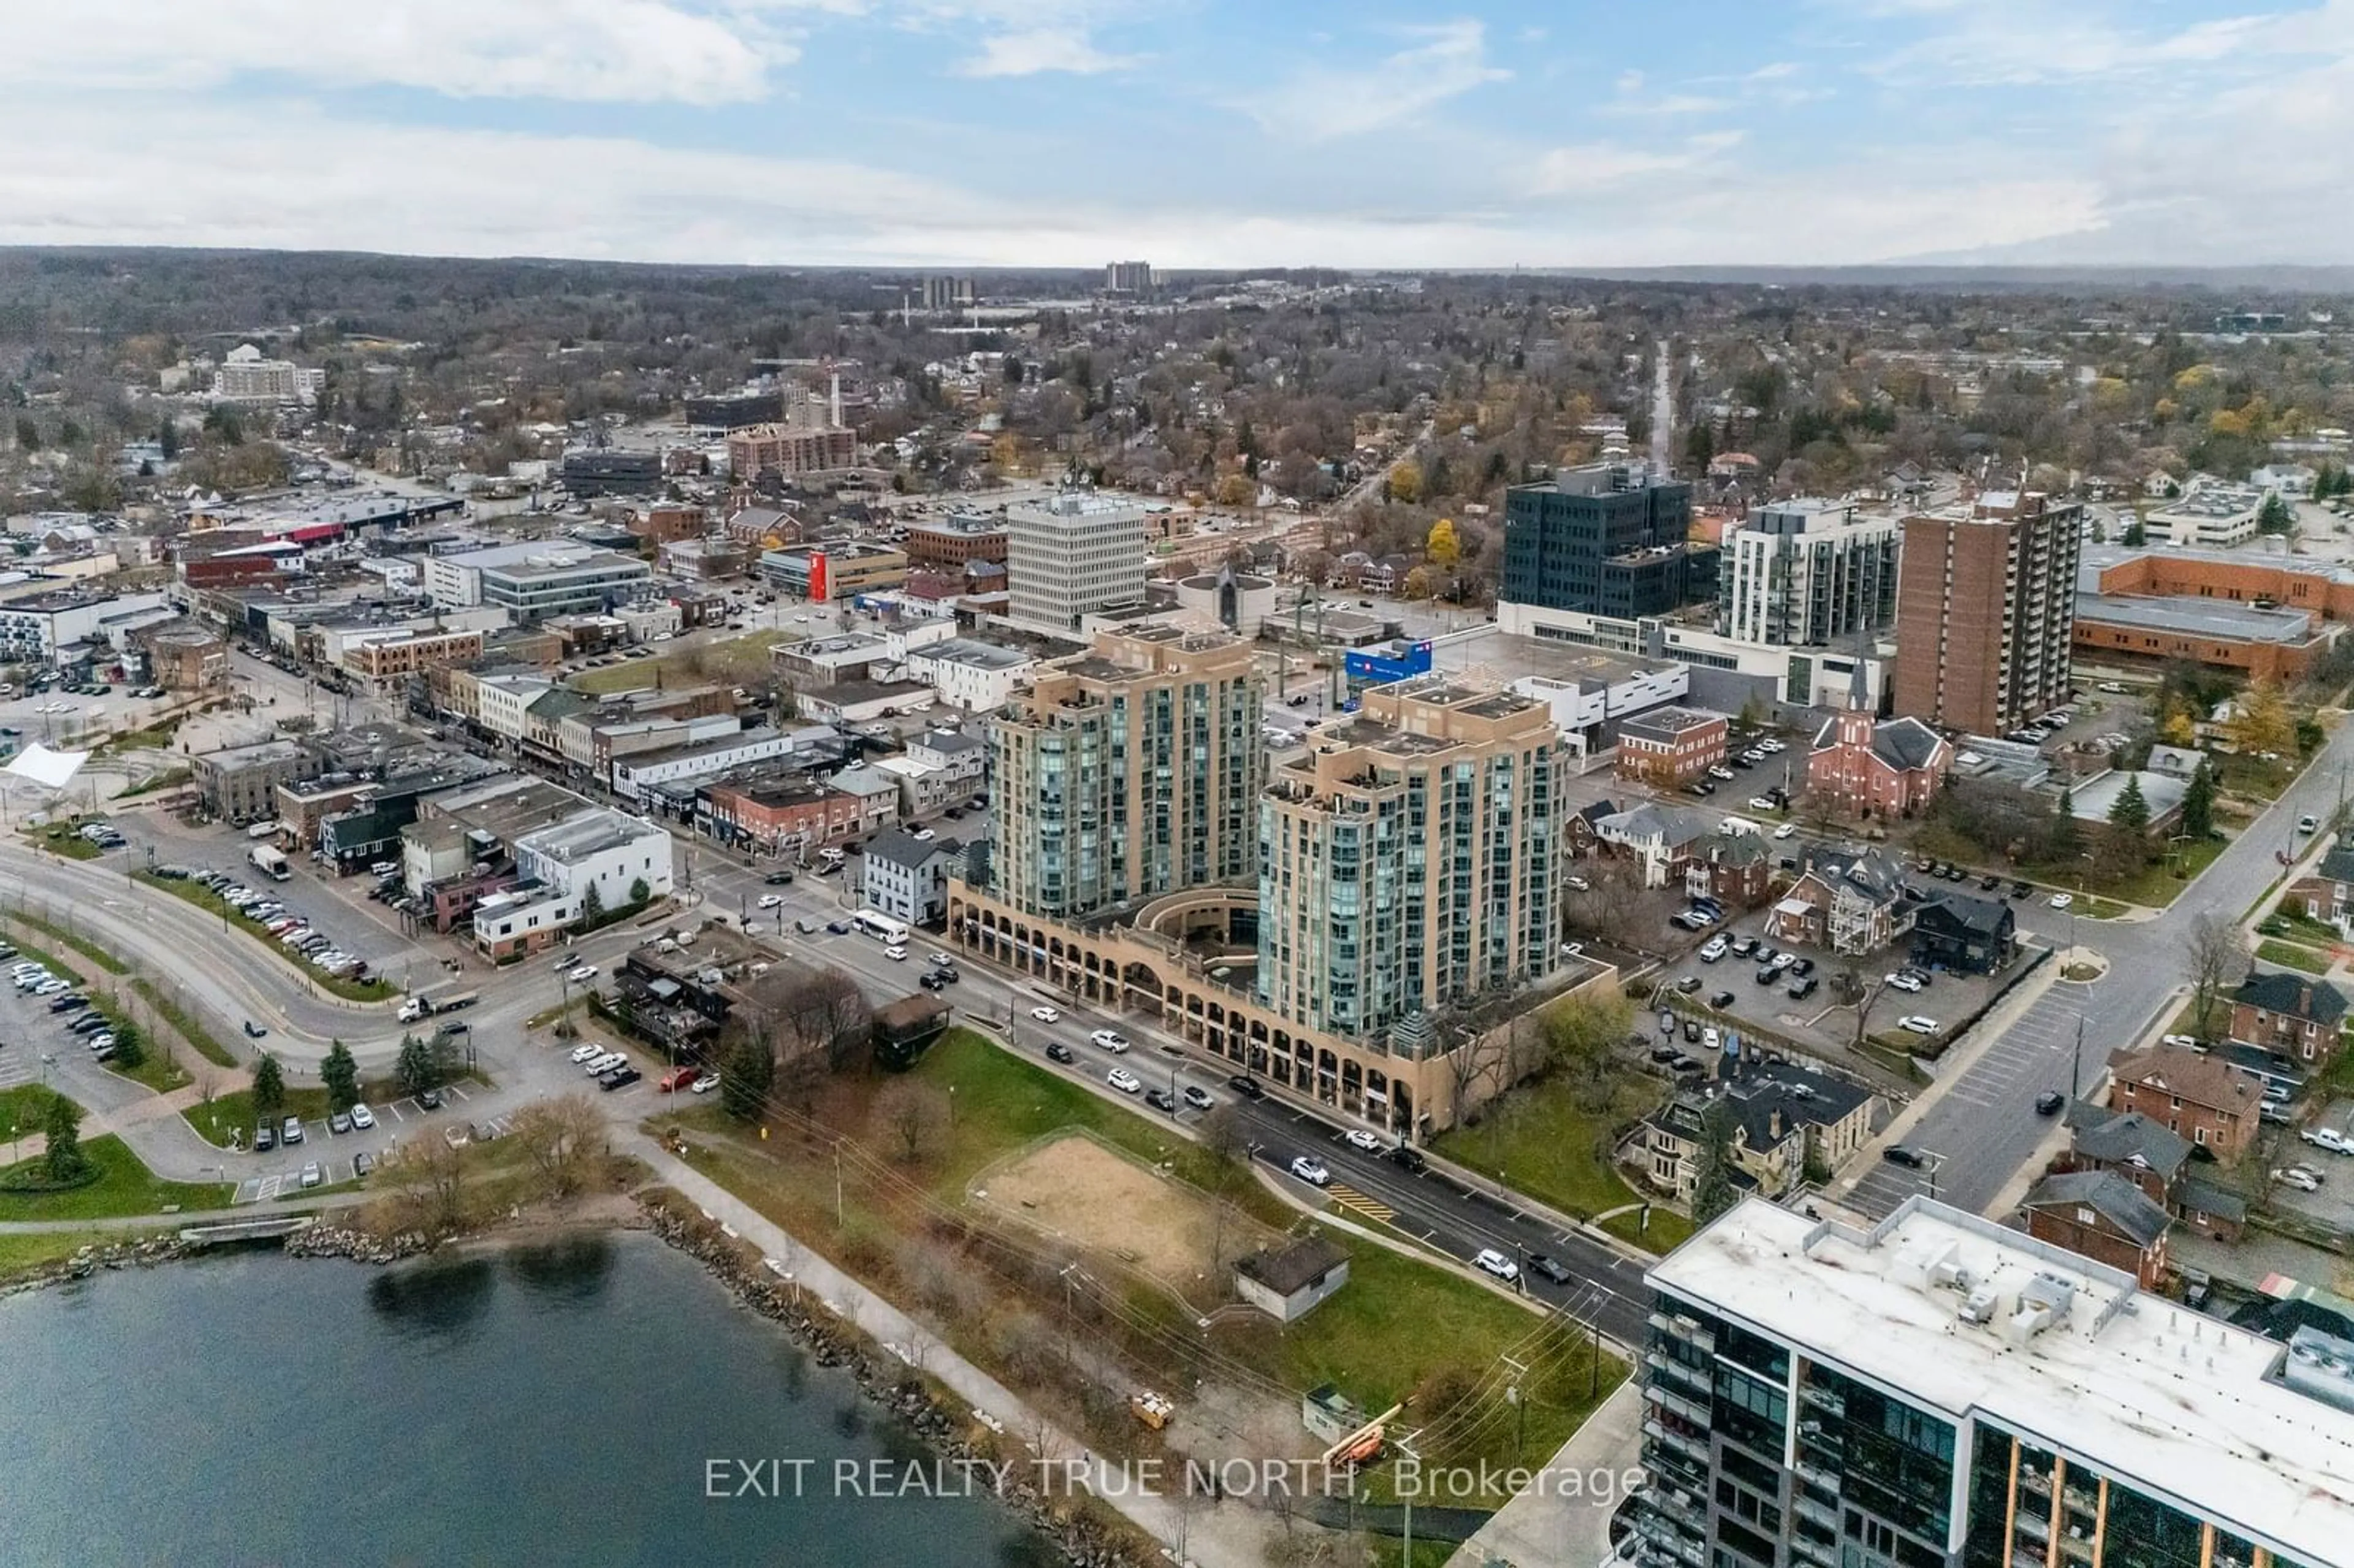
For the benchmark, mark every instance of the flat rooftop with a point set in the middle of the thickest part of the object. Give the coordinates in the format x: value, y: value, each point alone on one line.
x: 1507, y: 657
x: 2184, y: 1406
x: 2185, y: 615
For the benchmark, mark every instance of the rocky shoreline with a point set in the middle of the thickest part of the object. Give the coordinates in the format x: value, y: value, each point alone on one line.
x: 144, y: 1254
x: 1081, y: 1539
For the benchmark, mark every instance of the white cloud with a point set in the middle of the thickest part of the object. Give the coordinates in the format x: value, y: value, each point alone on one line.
x: 1604, y: 165
x: 1322, y: 102
x: 2003, y: 43
x: 1042, y: 49
x: 609, y: 50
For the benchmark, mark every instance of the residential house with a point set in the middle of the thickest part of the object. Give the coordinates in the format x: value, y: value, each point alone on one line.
x: 1863, y: 768
x: 1671, y: 747
x: 1661, y: 839
x: 1970, y: 936
x: 907, y: 879
x: 878, y: 794
x: 2190, y: 1094
x: 2101, y: 1215
x: 2326, y: 893
x: 1852, y: 900
x: 1578, y: 828
x: 2161, y: 1163
x: 1785, y: 1118
x: 2289, y: 1015
x: 1735, y: 869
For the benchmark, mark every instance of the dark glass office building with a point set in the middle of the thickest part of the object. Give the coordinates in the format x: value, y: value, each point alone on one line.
x: 1607, y: 539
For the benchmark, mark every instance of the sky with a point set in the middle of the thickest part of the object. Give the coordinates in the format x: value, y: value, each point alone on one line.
x: 1190, y: 134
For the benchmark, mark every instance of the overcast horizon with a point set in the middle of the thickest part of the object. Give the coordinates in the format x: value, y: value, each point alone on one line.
x: 1208, y: 135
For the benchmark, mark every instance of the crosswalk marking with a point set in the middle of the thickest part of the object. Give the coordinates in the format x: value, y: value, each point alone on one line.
x: 1350, y: 1198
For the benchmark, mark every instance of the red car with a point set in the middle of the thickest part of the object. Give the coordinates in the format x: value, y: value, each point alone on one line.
x: 677, y: 1079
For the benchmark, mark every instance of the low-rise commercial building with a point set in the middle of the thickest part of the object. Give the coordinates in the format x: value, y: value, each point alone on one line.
x: 907, y: 879
x: 2213, y: 513
x: 787, y: 819
x: 949, y: 544
x: 976, y: 676
x: 395, y: 655
x: 595, y: 860
x: 2265, y: 645
x: 1670, y: 748
x: 839, y: 569
x: 240, y: 784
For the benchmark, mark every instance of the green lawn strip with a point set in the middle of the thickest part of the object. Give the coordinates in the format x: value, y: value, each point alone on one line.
x: 200, y: 1039
x: 124, y: 1186
x: 24, y: 1252
x: 2289, y: 955
x: 729, y: 663
x: 234, y: 1111
x: 1539, y: 1141
x: 79, y: 943
x: 2157, y: 887
x: 1666, y: 1230
x: 23, y: 1110
x: 59, y: 838
x: 211, y: 903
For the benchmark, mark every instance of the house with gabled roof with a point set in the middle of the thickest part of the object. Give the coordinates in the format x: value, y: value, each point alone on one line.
x: 1852, y: 900
x: 1865, y: 768
x: 2101, y: 1215
x: 2192, y: 1094
x: 2293, y: 1016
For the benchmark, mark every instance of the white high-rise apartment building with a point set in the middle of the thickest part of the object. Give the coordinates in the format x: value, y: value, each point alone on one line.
x: 245, y: 376
x: 1807, y: 574
x: 1071, y: 557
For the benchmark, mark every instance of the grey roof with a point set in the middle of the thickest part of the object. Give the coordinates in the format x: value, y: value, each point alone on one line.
x: 902, y: 848
x: 1906, y: 743
x: 1865, y: 870
x: 2277, y: 990
x: 2338, y: 865
x: 1979, y: 914
x: 2201, y: 1196
x: 2191, y: 617
x: 1293, y: 1267
x: 1666, y: 724
x: 2112, y: 1196
x: 2126, y: 1137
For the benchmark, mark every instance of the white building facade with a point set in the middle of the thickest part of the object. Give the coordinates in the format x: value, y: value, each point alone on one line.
x: 1072, y: 556
x: 1807, y: 572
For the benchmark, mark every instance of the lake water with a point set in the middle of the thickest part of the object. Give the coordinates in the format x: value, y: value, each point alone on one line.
x: 545, y: 1405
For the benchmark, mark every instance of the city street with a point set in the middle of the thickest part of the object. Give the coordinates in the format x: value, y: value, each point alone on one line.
x: 1981, y: 1120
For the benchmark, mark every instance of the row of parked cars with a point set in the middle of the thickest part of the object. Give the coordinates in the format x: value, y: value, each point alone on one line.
x: 611, y: 1069
x: 293, y: 932
x: 103, y: 834
x: 78, y: 1014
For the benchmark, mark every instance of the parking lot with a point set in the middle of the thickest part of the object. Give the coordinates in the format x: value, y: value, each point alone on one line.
x: 1820, y: 1022
x: 335, y: 1153
x: 2333, y: 1206
x: 332, y: 929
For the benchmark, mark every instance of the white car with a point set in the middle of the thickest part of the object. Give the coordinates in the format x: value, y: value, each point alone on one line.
x: 2063, y: 900
x: 1310, y: 1171
x: 363, y: 1117
x: 581, y: 1053
x: 1108, y: 1040
x: 2330, y: 1138
x: 1919, y: 1024
x: 1358, y: 1138
x: 894, y: 952
x: 1760, y: 803
x: 1497, y: 1264
x: 1905, y: 983
x: 1713, y: 948
x: 1710, y: 1039
x: 600, y: 1065
x: 772, y: 900
x: 2187, y: 1041
x: 924, y: 835
x: 1769, y: 744
x: 1123, y: 1080
x: 704, y: 1084
x: 1046, y: 1015
x: 2298, y: 1177
x: 1786, y: 830
x: 582, y: 975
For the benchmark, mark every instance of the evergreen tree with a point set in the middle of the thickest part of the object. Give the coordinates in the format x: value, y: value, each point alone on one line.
x: 639, y: 892
x: 342, y: 1076
x: 744, y: 1083
x: 2135, y: 535
x: 415, y: 1066
x: 2130, y: 811
x: 2198, y: 802
x: 592, y: 907
x: 129, y: 1046
x: 1713, y: 1193
x: 2064, y: 827
x: 268, y: 1087
x: 64, y: 1160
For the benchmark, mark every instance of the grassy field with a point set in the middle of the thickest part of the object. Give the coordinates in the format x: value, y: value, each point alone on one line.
x: 21, y: 1251
x: 124, y: 1187
x: 1540, y: 1140
x: 234, y: 1112
x: 2290, y: 956
x: 2157, y: 885
x: 734, y: 662
x: 59, y: 838
x: 1375, y: 1338
x: 68, y: 938
x: 200, y: 1039
x: 23, y: 1108
x: 206, y: 899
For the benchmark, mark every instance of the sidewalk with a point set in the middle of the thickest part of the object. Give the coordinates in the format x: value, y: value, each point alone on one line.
x: 1542, y: 1526
x: 1215, y: 1535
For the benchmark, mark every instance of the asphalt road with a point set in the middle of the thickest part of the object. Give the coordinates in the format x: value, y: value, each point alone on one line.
x: 1981, y: 1122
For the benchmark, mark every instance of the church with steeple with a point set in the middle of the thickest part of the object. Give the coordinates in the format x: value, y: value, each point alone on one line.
x: 1864, y: 766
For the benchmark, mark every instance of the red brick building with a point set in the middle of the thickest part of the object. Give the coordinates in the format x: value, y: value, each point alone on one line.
x: 2101, y: 1215
x: 2292, y: 1016
x: 1986, y: 603
x: 1669, y: 748
x: 1864, y: 768
x: 2191, y: 1095
x: 949, y: 544
x: 776, y: 819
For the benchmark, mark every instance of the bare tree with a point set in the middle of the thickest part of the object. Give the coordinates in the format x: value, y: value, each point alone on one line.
x: 560, y: 1137
x: 2217, y: 957
x: 1222, y: 1136
x: 1469, y: 1065
x: 914, y: 1115
x: 1867, y: 995
x: 1612, y: 898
